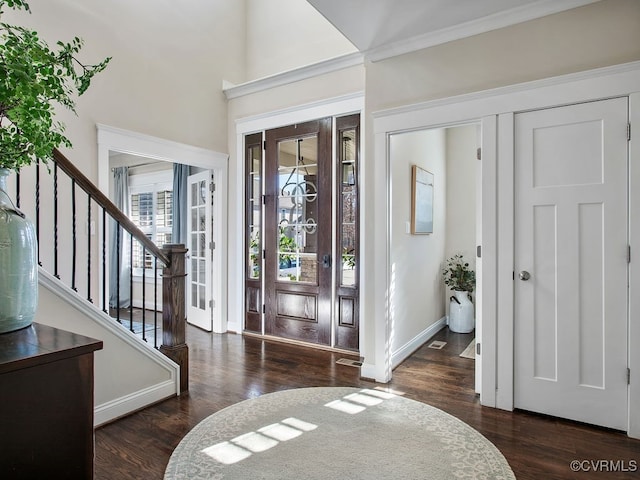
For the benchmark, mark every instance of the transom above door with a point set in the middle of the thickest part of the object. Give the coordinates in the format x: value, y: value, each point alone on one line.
x: 301, y: 208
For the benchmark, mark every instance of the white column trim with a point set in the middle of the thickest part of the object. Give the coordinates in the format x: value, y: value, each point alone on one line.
x: 634, y: 266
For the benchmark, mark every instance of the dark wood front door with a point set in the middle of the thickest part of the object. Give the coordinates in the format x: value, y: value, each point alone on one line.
x: 298, y: 232
x: 302, y: 237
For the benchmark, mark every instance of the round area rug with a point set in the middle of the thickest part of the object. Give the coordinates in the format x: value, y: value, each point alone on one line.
x: 334, y: 433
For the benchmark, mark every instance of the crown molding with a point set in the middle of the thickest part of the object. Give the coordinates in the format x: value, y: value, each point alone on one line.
x: 509, y: 89
x: 291, y: 76
x: 474, y: 27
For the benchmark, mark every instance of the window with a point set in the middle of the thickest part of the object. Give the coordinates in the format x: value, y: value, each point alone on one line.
x: 150, y: 200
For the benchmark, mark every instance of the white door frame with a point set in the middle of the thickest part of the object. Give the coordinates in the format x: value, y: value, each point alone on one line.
x: 497, y: 211
x: 338, y: 106
x: 112, y: 139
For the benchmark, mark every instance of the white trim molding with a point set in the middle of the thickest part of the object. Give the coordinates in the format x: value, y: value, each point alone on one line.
x: 634, y: 266
x: 335, y: 106
x: 588, y: 77
x: 120, y: 407
x: 112, y: 139
x: 291, y: 76
x: 524, y: 13
x: 415, y: 343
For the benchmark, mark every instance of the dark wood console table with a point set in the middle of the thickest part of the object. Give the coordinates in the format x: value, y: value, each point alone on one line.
x: 46, y: 404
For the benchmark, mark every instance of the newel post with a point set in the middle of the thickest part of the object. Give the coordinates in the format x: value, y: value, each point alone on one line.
x: 173, y: 311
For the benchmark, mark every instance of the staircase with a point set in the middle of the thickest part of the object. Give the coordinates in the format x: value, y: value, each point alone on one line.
x: 76, y: 223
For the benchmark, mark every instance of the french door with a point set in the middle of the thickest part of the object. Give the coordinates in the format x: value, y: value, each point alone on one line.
x: 200, y: 255
x: 301, y: 234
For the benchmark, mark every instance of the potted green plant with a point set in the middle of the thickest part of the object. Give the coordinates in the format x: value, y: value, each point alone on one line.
x: 458, y: 276
x: 462, y: 280
x: 33, y: 79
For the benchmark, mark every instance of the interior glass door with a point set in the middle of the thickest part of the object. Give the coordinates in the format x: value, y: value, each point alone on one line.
x: 199, y: 264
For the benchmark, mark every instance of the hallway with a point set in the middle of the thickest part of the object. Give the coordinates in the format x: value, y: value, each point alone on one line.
x: 229, y: 368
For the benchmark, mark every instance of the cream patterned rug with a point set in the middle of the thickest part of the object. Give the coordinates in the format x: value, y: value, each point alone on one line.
x: 334, y: 433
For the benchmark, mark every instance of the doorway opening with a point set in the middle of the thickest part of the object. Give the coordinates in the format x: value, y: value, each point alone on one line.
x: 419, y: 299
x: 302, y: 232
x: 153, y: 160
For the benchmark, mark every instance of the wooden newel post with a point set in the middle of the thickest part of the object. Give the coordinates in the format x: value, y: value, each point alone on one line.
x: 173, y: 311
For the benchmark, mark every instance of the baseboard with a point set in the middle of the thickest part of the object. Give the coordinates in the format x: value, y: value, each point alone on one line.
x: 382, y: 374
x: 234, y: 327
x: 368, y: 372
x: 411, y: 346
x: 119, y: 407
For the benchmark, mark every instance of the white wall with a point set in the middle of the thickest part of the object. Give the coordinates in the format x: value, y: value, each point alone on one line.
x: 286, y: 34
x: 417, y: 289
x: 461, y: 147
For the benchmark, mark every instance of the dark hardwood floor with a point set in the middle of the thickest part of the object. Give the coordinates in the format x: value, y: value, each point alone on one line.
x: 226, y: 369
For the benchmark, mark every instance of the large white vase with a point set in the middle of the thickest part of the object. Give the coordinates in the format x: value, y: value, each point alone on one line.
x: 461, y: 319
x: 18, y: 264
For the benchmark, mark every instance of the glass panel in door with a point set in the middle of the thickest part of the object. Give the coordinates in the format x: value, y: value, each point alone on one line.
x: 254, y: 181
x: 199, y: 288
x: 297, y: 208
x: 298, y: 233
x: 347, y: 297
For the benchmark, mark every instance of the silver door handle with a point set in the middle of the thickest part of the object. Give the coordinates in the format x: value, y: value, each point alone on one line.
x: 524, y: 275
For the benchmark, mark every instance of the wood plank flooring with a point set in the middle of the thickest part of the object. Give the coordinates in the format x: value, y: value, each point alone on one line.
x: 229, y: 368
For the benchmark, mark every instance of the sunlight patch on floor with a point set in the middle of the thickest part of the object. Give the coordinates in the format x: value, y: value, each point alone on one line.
x: 355, y: 403
x: 243, y: 446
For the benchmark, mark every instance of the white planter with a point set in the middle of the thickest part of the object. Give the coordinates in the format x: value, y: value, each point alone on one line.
x: 461, y: 318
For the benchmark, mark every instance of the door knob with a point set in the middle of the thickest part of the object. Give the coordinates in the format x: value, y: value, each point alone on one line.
x: 524, y: 275
x: 326, y: 261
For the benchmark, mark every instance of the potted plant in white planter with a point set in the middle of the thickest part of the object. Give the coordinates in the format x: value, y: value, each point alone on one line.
x: 33, y: 79
x: 462, y: 280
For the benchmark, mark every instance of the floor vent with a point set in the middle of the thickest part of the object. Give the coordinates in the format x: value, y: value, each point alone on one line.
x: 349, y: 362
x: 437, y: 344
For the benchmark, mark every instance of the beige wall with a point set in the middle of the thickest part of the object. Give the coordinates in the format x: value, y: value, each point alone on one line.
x: 600, y: 34
x: 166, y: 75
x: 417, y: 290
x: 165, y: 80
x: 286, y: 34
x: 597, y: 35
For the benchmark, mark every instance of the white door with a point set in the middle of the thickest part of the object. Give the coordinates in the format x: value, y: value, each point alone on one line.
x: 199, y: 258
x: 571, y: 215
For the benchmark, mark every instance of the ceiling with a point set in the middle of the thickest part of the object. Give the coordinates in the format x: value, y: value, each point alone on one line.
x: 384, y: 28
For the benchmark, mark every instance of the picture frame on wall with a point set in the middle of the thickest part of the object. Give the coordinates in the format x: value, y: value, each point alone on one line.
x: 421, y: 201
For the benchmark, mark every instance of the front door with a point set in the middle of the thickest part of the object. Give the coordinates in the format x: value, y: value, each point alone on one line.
x: 571, y: 241
x: 298, y: 232
x: 302, y: 249
x: 199, y: 258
